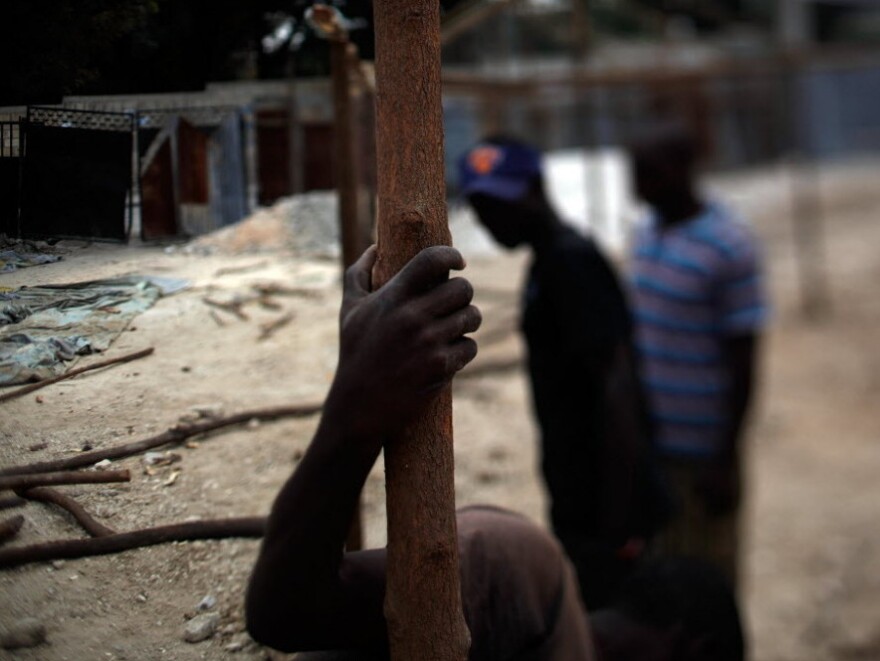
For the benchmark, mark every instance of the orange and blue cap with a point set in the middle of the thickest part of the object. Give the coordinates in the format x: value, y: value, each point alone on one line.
x: 504, y: 171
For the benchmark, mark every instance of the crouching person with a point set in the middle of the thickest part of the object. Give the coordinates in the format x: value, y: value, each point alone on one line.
x: 399, y: 346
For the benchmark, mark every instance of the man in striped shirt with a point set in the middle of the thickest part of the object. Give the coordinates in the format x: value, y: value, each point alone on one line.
x: 699, y: 310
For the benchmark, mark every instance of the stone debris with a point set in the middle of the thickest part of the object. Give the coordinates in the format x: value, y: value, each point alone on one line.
x: 207, y: 603
x: 202, y: 412
x: 160, y: 458
x: 210, y: 411
x: 27, y: 632
x: 201, y: 627
x: 235, y: 646
x: 104, y: 512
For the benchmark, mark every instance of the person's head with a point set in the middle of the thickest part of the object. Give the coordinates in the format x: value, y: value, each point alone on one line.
x: 663, y: 166
x: 671, y: 609
x: 502, y: 179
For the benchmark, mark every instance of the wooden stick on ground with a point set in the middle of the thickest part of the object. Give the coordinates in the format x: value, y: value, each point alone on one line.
x: 267, y: 330
x: 11, y: 501
x: 230, y: 270
x: 233, y: 307
x: 251, y: 527
x: 175, y: 434
x: 77, y: 511
x: 9, y: 527
x: 21, y: 482
x: 274, y: 289
x: 24, y: 390
x: 423, y: 598
x: 216, y: 318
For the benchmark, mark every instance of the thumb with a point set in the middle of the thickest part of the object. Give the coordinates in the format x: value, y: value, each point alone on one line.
x: 358, y: 276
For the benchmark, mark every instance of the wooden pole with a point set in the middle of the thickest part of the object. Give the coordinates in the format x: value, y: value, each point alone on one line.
x: 806, y: 203
x: 343, y: 64
x: 423, y: 597
x: 345, y: 162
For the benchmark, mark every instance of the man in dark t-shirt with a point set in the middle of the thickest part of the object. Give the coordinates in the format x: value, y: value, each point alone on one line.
x: 521, y: 600
x: 584, y: 387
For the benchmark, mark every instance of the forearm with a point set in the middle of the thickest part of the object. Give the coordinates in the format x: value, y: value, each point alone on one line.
x: 299, y: 573
x: 398, y: 346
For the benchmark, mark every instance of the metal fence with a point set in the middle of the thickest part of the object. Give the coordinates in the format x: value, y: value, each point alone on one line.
x: 76, y: 174
x: 10, y: 175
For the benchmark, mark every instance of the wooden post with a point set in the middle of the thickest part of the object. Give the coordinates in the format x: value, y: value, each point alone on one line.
x: 423, y: 596
x: 295, y: 158
x: 343, y: 60
x: 806, y: 202
x: 345, y: 148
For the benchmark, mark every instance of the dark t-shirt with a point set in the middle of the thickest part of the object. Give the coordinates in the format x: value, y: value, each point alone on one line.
x: 519, y: 594
x: 575, y: 318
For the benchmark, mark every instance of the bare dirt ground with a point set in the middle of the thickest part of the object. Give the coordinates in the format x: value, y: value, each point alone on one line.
x: 813, y: 544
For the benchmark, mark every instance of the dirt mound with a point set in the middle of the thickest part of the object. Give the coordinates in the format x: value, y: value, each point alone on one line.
x: 304, y: 224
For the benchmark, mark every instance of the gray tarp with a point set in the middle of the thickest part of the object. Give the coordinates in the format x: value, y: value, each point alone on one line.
x: 43, y: 327
x: 11, y: 260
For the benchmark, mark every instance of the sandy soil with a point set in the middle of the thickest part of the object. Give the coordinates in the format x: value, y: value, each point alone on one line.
x: 813, y: 554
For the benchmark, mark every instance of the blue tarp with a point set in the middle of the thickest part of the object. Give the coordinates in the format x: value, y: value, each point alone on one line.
x: 42, y: 328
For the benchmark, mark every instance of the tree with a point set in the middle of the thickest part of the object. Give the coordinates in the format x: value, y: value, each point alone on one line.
x: 50, y: 47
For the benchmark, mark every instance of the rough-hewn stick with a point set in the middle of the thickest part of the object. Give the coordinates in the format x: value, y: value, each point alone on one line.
x: 229, y: 270
x: 77, y: 511
x: 9, y: 527
x: 176, y: 434
x: 233, y: 307
x: 30, y: 480
x: 250, y: 527
x: 216, y: 318
x: 24, y: 390
x: 343, y: 59
x: 11, y: 501
x: 269, y: 329
x: 423, y: 597
x: 274, y: 289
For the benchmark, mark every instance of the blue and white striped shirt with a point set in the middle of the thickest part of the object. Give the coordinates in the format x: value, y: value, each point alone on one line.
x: 693, y: 285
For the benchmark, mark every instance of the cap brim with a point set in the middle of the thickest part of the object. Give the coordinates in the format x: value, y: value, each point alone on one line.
x: 503, y: 188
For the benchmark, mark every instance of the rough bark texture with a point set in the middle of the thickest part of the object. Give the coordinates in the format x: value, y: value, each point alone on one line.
x: 423, y: 599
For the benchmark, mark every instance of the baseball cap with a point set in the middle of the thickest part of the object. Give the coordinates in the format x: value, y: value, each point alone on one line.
x: 504, y: 171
